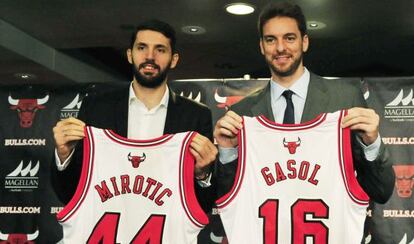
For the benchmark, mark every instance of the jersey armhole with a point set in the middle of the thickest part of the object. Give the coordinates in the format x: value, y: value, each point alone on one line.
x: 241, y: 161
x: 354, y: 189
x: 189, y: 200
x: 84, y: 179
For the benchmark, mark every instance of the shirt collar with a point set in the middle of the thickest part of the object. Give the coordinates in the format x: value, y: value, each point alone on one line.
x: 299, y: 87
x: 163, y: 102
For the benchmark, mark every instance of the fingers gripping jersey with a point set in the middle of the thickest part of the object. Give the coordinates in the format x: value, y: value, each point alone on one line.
x: 134, y: 191
x: 294, y: 184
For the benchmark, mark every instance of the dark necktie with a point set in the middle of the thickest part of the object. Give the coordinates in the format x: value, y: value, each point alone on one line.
x: 289, y: 117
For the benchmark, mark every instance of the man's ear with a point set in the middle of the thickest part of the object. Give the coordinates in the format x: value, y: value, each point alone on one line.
x: 174, y: 61
x: 305, y: 43
x: 261, y: 46
x: 129, y: 55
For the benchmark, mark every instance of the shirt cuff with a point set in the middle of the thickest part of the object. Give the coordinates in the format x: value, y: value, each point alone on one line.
x: 227, y: 155
x: 206, y: 182
x: 62, y: 166
x: 371, y: 152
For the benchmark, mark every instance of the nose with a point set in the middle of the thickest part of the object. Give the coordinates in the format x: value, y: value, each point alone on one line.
x: 150, y: 54
x: 280, y: 46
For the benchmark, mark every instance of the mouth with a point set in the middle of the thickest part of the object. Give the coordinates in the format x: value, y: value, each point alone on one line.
x: 282, y: 59
x: 149, y: 69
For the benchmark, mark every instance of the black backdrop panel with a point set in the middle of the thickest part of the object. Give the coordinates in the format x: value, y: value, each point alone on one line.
x: 392, y: 99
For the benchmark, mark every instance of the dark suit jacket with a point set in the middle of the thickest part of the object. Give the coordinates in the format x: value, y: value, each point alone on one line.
x: 376, y: 178
x: 110, y: 111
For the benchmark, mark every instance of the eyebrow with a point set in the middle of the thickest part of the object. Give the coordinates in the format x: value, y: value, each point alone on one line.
x: 287, y: 34
x: 146, y: 44
x: 161, y: 45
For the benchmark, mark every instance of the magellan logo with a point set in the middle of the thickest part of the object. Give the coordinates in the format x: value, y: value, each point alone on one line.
x: 23, y: 178
x: 401, y: 108
x: 24, y: 142
x: 72, y: 109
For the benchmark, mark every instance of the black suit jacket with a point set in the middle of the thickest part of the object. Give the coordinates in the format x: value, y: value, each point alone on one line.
x: 110, y: 111
x: 376, y: 178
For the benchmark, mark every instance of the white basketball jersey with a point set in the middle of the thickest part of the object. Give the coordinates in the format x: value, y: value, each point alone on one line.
x: 294, y: 184
x: 134, y: 191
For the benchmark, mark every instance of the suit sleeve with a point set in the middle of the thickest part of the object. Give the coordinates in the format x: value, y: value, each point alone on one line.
x: 205, y: 125
x: 376, y: 177
x: 226, y: 173
x: 66, y: 181
x: 206, y: 195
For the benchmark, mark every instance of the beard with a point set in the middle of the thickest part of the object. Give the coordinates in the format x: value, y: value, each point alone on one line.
x: 290, y: 70
x: 150, y: 82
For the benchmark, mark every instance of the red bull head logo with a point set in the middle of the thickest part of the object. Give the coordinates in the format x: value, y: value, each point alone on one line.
x: 291, y: 145
x: 26, y: 109
x: 136, y: 160
x: 404, y: 180
x: 226, y: 101
x: 17, y: 238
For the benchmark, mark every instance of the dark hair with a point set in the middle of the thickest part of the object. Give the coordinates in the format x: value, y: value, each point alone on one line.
x: 282, y: 9
x: 158, y: 26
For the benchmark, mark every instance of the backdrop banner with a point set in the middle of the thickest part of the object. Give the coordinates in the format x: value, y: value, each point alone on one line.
x: 392, y: 99
x: 28, y: 204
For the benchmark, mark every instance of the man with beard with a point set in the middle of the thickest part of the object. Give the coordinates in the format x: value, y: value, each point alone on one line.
x: 146, y: 110
x: 298, y: 95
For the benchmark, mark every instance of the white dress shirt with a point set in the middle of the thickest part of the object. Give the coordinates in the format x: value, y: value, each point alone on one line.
x: 278, y: 102
x: 144, y: 123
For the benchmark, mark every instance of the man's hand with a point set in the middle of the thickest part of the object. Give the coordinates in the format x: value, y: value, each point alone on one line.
x: 365, y: 120
x: 227, y: 128
x: 204, y: 153
x: 67, y: 133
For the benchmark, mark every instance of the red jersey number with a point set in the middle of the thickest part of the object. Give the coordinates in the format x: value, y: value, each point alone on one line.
x: 106, y: 229
x: 301, y: 226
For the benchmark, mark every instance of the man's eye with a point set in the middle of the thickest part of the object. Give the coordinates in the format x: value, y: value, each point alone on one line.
x: 290, y: 38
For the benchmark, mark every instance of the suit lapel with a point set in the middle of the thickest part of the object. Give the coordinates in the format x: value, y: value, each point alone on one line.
x: 263, y: 104
x: 317, y: 98
x: 121, y: 114
x: 172, y: 119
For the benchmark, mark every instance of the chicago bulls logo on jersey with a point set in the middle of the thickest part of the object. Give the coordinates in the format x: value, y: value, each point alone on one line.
x: 291, y: 145
x: 136, y: 160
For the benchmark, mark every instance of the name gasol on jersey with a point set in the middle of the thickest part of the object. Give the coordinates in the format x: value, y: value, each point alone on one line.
x: 304, y: 171
x: 141, y: 185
